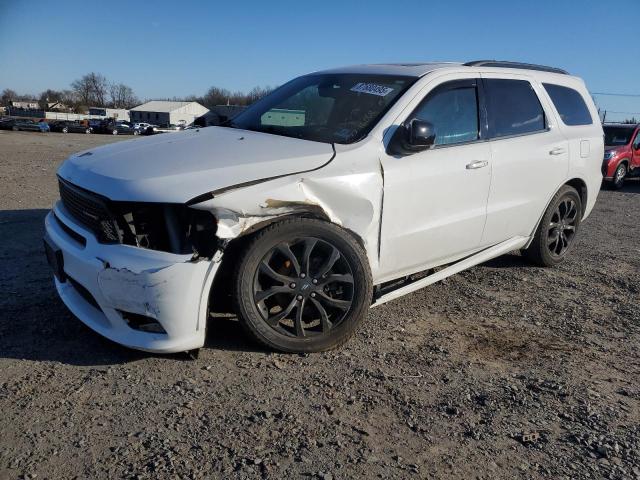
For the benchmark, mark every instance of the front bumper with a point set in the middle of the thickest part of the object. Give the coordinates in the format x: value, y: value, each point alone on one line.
x: 108, y: 283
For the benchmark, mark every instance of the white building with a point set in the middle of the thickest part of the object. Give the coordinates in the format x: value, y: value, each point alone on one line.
x: 159, y: 112
x: 116, y: 113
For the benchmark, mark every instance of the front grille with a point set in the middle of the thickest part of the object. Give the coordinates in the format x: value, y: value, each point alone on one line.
x: 91, y: 210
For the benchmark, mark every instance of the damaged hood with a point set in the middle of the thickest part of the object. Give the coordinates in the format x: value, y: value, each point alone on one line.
x: 177, y: 167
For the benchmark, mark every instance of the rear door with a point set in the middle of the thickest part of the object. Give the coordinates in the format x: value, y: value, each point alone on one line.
x: 530, y: 155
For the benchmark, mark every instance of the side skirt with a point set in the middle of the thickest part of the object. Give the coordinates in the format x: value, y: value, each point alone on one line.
x: 514, y: 243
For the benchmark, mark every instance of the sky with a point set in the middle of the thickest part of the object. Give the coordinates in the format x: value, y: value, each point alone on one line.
x: 176, y: 48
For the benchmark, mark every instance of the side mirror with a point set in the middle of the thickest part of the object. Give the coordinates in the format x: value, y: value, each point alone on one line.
x: 413, y: 137
x: 422, y: 135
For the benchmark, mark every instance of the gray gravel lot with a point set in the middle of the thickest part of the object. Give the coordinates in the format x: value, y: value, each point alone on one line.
x: 503, y: 371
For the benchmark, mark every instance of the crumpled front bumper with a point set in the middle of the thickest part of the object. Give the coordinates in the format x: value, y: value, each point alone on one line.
x: 109, y: 283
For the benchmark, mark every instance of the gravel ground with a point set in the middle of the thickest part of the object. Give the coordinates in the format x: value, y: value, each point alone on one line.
x: 503, y: 371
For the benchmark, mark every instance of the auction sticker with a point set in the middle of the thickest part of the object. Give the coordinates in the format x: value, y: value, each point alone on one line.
x: 372, y: 89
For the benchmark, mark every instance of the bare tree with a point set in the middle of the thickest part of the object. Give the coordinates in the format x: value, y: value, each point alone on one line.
x: 91, y: 89
x: 49, y: 96
x: 122, y: 96
x: 257, y: 93
x: 216, y: 96
x: 7, y: 96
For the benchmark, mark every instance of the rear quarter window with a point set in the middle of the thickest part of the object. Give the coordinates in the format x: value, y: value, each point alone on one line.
x: 570, y: 105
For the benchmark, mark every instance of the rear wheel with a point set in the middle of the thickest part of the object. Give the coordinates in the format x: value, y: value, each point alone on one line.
x: 302, y: 285
x: 87, y: 131
x: 65, y: 130
x: 115, y: 132
x: 557, y: 231
x: 619, y: 176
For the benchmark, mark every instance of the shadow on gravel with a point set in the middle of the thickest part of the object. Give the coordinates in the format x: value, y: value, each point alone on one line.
x: 510, y: 260
x: 631, y: 185
x: 35, y: 324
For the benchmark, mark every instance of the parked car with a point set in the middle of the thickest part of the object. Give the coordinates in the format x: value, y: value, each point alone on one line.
x: 22, y: 124
x: 307, y: 209
x: 622, y: 153
x: 168, y: 128
x: 98, y: 125
x: 120, y: 128
x: 67, y: 126
x: 142, y: 128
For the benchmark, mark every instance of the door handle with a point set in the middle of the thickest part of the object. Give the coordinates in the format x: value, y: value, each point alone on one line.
x: 557, y: 151
x: 477, y: 164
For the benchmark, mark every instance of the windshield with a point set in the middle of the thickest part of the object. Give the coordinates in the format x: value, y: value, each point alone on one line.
x: 617, y: 135
x: 329, y: 108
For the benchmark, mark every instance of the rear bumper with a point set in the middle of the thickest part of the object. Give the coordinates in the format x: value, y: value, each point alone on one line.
x: 111, y: 282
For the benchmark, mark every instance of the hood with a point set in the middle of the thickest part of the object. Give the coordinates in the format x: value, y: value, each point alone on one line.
x: 177, y: 167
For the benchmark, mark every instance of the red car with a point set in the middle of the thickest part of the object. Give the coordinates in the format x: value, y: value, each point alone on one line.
x: 621, y: 153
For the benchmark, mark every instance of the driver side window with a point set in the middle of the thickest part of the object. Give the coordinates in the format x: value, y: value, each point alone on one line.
x: 453, y: 111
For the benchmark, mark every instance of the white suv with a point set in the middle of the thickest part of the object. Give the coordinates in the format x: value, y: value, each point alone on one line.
x: 340, y: 190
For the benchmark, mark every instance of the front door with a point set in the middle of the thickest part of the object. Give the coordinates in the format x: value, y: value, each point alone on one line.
x: 434, y: 204
x: 636, y: 150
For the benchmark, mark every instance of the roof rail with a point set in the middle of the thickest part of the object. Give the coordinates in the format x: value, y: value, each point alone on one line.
x: 525, y: 66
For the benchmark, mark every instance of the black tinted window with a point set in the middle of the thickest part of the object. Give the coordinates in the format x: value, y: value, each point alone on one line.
x: 453, y: 113
x: 614, y: 136
x: 570, y: 105
x: 514, y: 108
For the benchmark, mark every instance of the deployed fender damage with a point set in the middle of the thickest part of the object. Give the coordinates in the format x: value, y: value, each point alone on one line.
x: 352, y: 201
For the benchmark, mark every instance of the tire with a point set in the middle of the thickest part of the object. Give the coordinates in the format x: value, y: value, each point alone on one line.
x: 65, y: 130
x: 343, y: 293
x: 87, y: 131
x: 114, y: 132
x: 619, y: 176
x: 558, y: 228
x: 136, y: 132
x: 15, y: 129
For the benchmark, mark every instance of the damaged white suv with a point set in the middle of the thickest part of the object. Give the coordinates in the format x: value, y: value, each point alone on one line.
x: 340, y: 190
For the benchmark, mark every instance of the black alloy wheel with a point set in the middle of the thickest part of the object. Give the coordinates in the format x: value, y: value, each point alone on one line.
x: 303, y: 287
x: 556, y: 232
x: 562, y: 227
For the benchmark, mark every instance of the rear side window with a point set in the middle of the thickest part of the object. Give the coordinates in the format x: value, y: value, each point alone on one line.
x: 570, y: 105
x: 513, y: 107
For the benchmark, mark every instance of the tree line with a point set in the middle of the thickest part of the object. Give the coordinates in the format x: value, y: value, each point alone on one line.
x: 94, y: 90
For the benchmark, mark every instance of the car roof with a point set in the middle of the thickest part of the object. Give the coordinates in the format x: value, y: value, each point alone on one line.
x: 400, y: 69
x: 419, y: 69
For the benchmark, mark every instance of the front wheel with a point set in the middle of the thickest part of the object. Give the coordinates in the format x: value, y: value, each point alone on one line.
x: 302, y: 285
x: 87, y: 131
x: 65, y: 130
x: 115, y: 132
x: 557, y: 231
x: 619, y: 176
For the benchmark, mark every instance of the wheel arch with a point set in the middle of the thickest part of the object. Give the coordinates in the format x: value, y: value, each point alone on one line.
x: 220, y: 291
x: 579, y: 185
